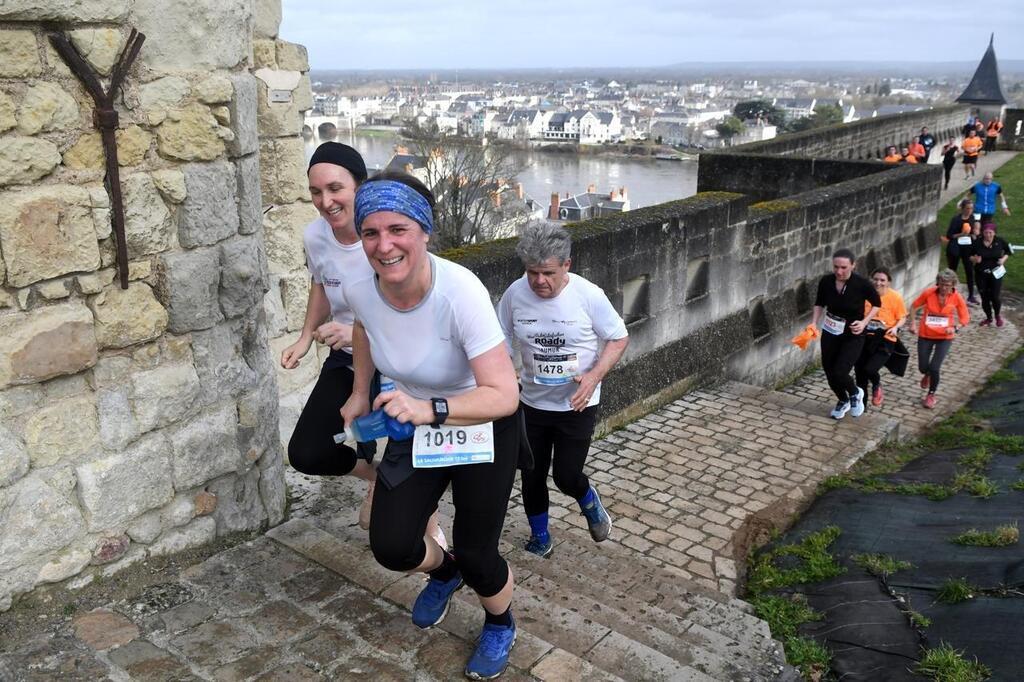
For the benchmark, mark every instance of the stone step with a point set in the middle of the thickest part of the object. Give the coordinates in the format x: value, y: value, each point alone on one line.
x: 350, y: 558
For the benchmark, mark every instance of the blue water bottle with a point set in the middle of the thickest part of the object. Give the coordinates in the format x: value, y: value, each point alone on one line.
x: 378, y: 424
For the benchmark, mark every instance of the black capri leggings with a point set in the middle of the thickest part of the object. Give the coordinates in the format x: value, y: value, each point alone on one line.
x: 839, y: 353
x: 989, y: 287
x: 955, y: 258
x: 480, y: 494
x: 930, y: 354
x: 562, y: 438
x: 312, y: 449
x: 873, y: 357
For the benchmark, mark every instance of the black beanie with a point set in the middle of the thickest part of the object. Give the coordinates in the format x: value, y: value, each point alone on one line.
x: 340, y: 155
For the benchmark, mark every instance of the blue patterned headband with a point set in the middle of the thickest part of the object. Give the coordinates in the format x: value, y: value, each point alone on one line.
x: 390, y: 195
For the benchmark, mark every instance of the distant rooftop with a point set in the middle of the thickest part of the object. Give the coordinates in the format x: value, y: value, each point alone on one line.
x: 984, y: 87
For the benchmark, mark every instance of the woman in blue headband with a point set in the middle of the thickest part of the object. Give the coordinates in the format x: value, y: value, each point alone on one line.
x: 429, y: 324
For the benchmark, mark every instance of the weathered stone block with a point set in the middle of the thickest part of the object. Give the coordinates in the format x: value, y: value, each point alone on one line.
x: 196, y: 534
x: 257, y: 422
x: 163, y: 93
x: 55, y: 289
x: 277, y: 119
x: 63, y: 566
x: 205, y: 447
x: 132, y: 145
x: 204, y: 503
x: 179, y: 512
x: 103, y: 629
x: 36, y: 520
x: 210, y: 211
x: 110, y: 548
x: 250, y: 205
x: 19, y: 55
x: 211, y: 36
x: 147, y: 220
x: 294, y: 295
x: 171, y: 183
x: 24, y: 160
x: 264, y: 54
x: 45, y: 343
x: 118, y: 488
x: 244, y: 122
x: 45, y: 107
x: 303, y: 94
x: 283, y: 171
x: 267, y: 18
x: 291, y: 380
x: 127, y: 316
x: 273, y: 309
x: 14, y: 459
x: 222, y: 370
x: 188, y: 286
x: 99, y: 46
x: 46, y: 232
x: 291, y: 56
x: 274, y: 492
x: 94, y: 282
x: 117, y: 426
x: 239, y: 505
x: 71, y: 11
x: 163, y: 395
x: 243, y: 277
x: 86, y: 153
x: 216, y: 89
x: 7, y: 117
x: 146, y: 528
x: 282, y: 230
x: 222, y: 114
x: 65, y: 430
x: 190, y: 134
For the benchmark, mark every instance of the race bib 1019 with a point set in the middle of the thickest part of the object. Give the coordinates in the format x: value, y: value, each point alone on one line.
x: 446, y: 446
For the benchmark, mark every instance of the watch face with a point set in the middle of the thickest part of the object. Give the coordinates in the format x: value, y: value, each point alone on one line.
x: 441, y: 406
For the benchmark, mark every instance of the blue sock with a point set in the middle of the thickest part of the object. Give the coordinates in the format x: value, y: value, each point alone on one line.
x: 588, y: 500
x: 539, y: 526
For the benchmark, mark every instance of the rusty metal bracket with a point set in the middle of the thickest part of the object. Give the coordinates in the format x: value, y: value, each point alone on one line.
x: 105, y: 118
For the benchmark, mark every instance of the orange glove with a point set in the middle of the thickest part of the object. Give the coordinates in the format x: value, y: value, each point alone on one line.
x: 809, y: 333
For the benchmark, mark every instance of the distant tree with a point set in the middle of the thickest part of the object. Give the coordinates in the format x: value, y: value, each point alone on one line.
x: 824, y: 115
x: 885, y: 89
x: 729, y: 128
x: 759, y: 108
x: 464, y: 176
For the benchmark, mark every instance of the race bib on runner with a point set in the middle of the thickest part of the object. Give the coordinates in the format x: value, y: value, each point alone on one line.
x: 964, y: 240
x: 555, y: 369
x: 447, y: 446
x: 999, y: 271
x: 834, y: 325
x: 937, y: 321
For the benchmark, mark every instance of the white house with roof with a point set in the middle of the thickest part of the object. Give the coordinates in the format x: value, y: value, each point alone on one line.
x: 796, y: 107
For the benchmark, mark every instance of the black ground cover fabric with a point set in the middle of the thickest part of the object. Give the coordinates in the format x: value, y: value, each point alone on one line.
x: 865, y: 625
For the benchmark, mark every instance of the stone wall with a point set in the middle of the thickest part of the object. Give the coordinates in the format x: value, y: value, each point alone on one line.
x: 142, y: 421
x: 866, y: 138
x: 764, y: 177
x: 1012, y: 136
x: 715, y: 286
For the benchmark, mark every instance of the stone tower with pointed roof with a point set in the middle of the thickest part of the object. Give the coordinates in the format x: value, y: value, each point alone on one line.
x: 984, y: 93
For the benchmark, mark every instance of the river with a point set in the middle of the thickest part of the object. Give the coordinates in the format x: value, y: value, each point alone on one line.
x: 647, y: 182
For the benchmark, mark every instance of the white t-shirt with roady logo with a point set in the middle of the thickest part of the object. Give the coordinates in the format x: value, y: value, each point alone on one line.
x: 330, y: 262
x: 558, y: 338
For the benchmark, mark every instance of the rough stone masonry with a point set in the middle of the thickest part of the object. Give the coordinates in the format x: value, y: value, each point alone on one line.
x: 144, y: 421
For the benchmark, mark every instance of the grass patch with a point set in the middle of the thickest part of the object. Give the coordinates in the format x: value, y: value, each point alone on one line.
x: 1002, y: 536
x: 954, y: 591
x: 976, y: 485
x: 918, y: 620
x: 814, y: 563
x: 881, y: 565
x: 1011, y: 228
x: 1019, y: 485
x: 946, y: 664
x: 1001, y: 376
x: 810, y: 657
x: 784, y: 615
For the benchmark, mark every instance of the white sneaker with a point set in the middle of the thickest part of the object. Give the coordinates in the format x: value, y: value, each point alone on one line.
x: 857, y: 403
x: 842, y: 407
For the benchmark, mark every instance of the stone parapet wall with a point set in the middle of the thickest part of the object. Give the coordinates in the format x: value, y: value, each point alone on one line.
x: 863, y: 139
x: 141, y: 421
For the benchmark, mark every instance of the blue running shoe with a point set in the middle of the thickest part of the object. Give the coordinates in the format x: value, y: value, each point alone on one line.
x: 433, y: 601
x: 492, y: 649
x: 541, y: 549
x: 598, y: 520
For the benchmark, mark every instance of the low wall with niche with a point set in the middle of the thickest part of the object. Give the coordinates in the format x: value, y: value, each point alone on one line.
x: 715, y: 285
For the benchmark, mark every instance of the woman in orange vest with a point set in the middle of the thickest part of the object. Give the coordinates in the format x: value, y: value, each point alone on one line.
x: 880, y: 335
x: 892, y: 156
x: 906, y: 156
x: 937, y: 328
x: 992, y: 130
x: 971, y: 147
x: 918, y: 151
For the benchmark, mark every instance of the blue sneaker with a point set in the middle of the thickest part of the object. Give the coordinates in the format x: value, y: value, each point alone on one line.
x: 492, y: 649
x: 598, y: 520
x: 433, y: 601
x: 541, y: 549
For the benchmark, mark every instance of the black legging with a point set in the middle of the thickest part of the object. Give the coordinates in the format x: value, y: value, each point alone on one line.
x: 567, y: 435
x: 930, y: 354
x: 953, y: 259
x: 873, y: 357
x: 989, y: 287
x: 947, y: 169
x: 838, y: 356
x: 480, y: 494
x: 312, y: 449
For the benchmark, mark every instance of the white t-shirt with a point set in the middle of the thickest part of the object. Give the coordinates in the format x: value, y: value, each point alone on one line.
x: 330, y: 263
x: 558, y: 338
x: 427, y: 349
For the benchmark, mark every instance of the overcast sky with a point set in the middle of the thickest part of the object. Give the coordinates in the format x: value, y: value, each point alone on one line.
x: 440, y: 34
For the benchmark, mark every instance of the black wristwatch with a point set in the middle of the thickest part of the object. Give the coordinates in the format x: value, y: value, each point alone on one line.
x: 440, y: 407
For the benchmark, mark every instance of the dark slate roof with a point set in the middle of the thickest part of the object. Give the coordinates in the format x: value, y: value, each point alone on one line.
x: 984, y: 87
x: 605, y: 117
x: 399, y: 161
